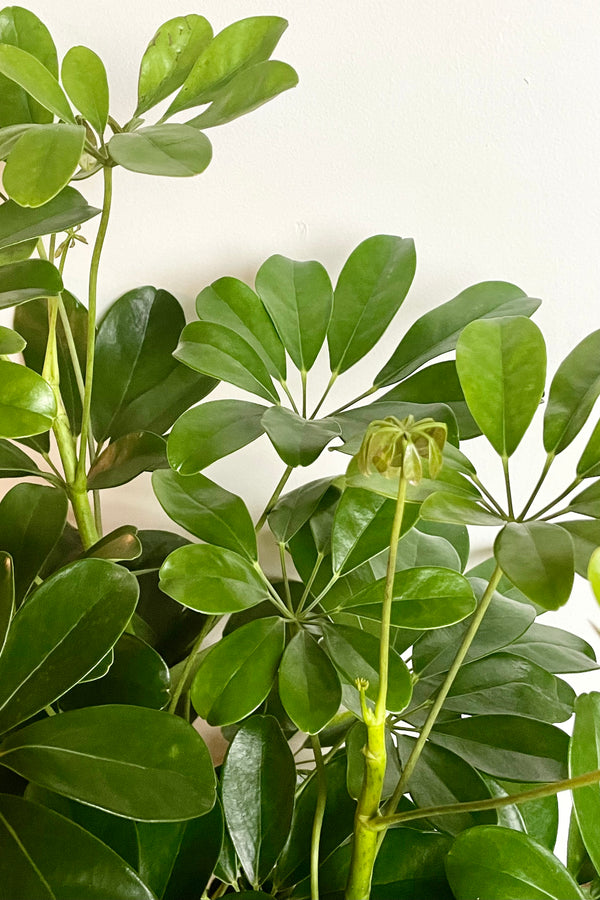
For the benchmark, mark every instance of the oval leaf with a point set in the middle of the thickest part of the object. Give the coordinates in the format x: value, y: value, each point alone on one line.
x: 308, y: 684
x: 10, y: 341
x: 298, y: 441
x: 42, y: 163
x: 161, y: 773
x: 84, y: 77
x: 573, y: 392
x: 126, y: 458
x: 211, y: 579
x: 538, y: 558
x: 32, y: 75
x: 27, y: 402
x: 501, y: 364
x: 584, y: 756
x: 171, y: 150
x: 19, y: 224
x: 442, y: 506
x: 26, y: 280
x: 23, y: 29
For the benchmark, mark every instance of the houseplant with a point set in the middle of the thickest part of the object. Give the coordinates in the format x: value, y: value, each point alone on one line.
x: 107, y: 790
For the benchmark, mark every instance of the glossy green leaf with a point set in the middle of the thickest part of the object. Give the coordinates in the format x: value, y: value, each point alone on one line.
x: 295, y: 508
x: 170, y: 861
x: 587, y: 502
x: 19, y: 224
x: 573, y: 392
x: 298, y: 296
x: 211, y: 431
x: 501, y: 364
x: 593, y: 573
x: 169, y: 58
x: 455, y: 535
x: 32, y: 518
x: 585, y: 534
x: 10, y: 341
x: 17, y: 252
x: 589, y: 463
x: 423, y: 598
x: 7, y: 595
x: 170, y: 150
x: 137, y: 676
x: 438, y: 330
x: 504, y: 621
x: 538, y: 559
x: 249, y: 89
x: 438, y: 383
x: 161, y: 773
x: 539, y: 817
x: 42, y: 163
x: 259, y: 777
x: 10, y: 134
x: 84, y: 77
x: 23, y: 29
x: 237, y: 673
x: 441, y: 778
x: 36, y: 80
x: 27, y: 402
x: 554, y: 649
x: 221, y: 353
x: 126, y: 458
x: 510, y: 747
x: 230, y: 302
x: 31, y: 319
x: 211, y: 579
x: 238, y: 46
x: 46, y: 856
x: 502, y: 683
x: 442, y: 506
x: 206, y: 510
x: 298, y: 441
x: 494, y: 863
x: 356, y: 655
x: 65, y: 628
x: 309, y: 686
x: 138, y: 386
x: 118, y: 545
x: 370, y: 290
x: 584, y: 756
x: 26, y: 280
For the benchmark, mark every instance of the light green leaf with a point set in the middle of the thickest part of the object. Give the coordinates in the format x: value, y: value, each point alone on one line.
x: 84, y: 77
x: 42, y: 163
x: 587, y: 502
x: 370, y: 290
x: 501, y: 364
x: 259, y: 779
x: 66, y: 627
x: 218, y: 351
x: 438, y: 330
x: 170, y: 150
x: 169, y: 58
x: 32, y: 75
x: 211, y: 579
x: 19, y: 224
x: 238, y: 46
x: 206, y: 510
x: 230, y: 302
x: 27, y: 280
x: 442, y: 506
x: 589, y: 464
x: 237, y: 673
x: 47, y: 857
x: 538, y: 558
x: 211, y: 431
x: 23, y: 29
x: 498, y: 863
x: 584, y: 756
x: 573, y: 392
x: 10, y: 341
x: 161, y: 773
x: 298, y: 441
x: 27, y: 402
x: 593, y: 573
x: 126, y: 458
x: 299, y: 298
x: 309, y: 686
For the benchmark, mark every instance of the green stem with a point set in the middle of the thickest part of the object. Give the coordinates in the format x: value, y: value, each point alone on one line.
x: 511, y: 509
x: 535, y: 491
x: 363, y: 396
x: 365, y: 840
x: 318, y: 819
x: 330, y: 384
x: 391, y: 805
x: 206, y: 629
x: 274, y: 498
x: 547, y: 790
x: 274, y: 597
x: 288, y: 394
x: 484, y: 490
x: 575, y: 483
x: 303, y: 375
x: 284, y: 575
x: 310, y: 582
x: 325, y: 590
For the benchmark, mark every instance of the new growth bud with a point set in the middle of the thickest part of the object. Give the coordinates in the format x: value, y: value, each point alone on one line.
x: 393, y: 446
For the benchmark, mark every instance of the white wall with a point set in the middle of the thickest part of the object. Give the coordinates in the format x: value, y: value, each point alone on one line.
x: 473, y: 127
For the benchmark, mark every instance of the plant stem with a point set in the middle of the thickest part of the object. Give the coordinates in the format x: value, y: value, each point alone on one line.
x: 310, y: 582
x: 303, y: 374
x: 546, y: 790
x: 391, y: 805
x: 318, y: 819
x: 363, y: 396
x: 540, y: 481
x: 274, y: 498
x: 330, y: 384
x: 206, y: 629
x: 289, y: 395
x: 484, y: 490
x: 284, y: 575
x: 511, y: 509
x: 365, y: 840
x: 575, y: 483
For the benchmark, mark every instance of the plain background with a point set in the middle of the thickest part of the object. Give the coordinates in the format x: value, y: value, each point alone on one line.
x: 472, y: 127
